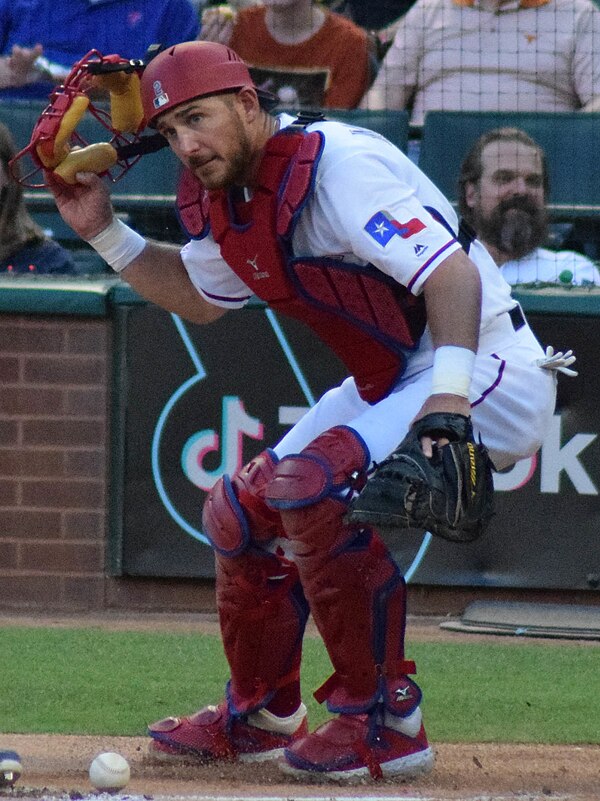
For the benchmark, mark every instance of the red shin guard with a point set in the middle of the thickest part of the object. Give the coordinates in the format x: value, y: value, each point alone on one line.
x: 263, y: 613
x: 355, y: 590
x: 261, y: 605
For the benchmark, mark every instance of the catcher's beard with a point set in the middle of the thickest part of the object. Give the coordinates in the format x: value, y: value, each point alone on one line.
x: 515, y: 227
x: 234, y: 163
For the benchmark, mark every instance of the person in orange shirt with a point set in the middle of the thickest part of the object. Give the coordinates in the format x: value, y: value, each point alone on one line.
x: 300, y: 51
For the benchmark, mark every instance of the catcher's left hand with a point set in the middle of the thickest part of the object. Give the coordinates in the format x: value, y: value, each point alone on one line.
x: 449, y: 494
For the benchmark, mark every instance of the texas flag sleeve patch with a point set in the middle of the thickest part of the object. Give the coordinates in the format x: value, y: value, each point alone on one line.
x: 382, y: 227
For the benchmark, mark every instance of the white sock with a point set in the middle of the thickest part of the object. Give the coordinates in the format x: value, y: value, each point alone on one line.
x: 409, y: 726
x: 263, y: 719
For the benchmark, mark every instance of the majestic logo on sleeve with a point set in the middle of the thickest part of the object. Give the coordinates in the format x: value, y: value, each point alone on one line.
x: 382, y: 227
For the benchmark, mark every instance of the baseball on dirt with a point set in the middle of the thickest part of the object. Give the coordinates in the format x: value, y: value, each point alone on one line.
x: 10, y: 768
x: 109, y: 771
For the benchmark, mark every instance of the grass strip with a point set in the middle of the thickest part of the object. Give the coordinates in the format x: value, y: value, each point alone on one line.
x: 91, y: 681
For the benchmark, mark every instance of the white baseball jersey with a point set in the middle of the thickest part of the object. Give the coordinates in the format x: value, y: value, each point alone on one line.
x: 365, y: 191
x: 372, y: 205
x: 557, y: 267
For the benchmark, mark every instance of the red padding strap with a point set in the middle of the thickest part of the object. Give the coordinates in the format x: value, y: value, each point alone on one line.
x: 300, y: 178
x: 192, y: 205
x: 406, y: 667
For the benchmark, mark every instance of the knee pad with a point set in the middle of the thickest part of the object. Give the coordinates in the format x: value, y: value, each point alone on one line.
x: 332, y: 465
x: 235, y: 513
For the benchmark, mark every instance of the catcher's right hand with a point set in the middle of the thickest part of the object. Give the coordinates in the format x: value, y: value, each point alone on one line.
x: 449, y: 494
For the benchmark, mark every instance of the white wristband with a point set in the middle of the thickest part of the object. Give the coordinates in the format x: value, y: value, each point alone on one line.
x: 452, y: 370
x: 118, y: 244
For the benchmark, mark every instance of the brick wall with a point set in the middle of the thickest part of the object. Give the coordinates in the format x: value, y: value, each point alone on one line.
x: 54, y: 376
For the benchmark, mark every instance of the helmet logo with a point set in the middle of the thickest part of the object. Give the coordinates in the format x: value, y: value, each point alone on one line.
x: 161, y: 98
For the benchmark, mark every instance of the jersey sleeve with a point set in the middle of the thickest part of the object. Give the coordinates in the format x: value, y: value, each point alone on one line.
x: 4, y: 25
x: 374, y: 210
x: 585, y: 64
x: 212, y: 276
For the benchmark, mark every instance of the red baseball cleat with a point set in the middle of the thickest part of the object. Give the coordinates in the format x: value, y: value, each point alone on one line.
x: 214, y: 733
x: 351, y: 747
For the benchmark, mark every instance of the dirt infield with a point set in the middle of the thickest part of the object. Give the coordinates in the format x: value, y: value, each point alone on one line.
x: 56, y: 766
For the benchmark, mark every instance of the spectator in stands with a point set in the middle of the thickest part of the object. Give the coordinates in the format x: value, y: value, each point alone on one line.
x: 496, y: 55
x: 380, y: 18
x: 503, y: 192
x: 235, y: 4
x: 305, y: 54
x: 371, y: 14
x: 41, y: 39
x: 24, y: 248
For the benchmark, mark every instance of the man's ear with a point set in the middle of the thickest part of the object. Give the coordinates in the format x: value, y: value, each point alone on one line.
x: 248, y: 98
x: 471, y: 194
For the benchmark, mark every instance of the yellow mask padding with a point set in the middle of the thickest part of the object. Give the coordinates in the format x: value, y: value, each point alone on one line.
x: 52, y: 152
x: 126, y: 111
x: 93, y: 158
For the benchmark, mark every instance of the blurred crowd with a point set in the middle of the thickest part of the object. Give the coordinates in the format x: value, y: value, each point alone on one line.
x: 412, y: 55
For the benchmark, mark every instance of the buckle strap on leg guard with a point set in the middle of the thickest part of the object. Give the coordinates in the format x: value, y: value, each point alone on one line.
x: 367, y: 753
x: 263, y: 695
x: 406, y: 667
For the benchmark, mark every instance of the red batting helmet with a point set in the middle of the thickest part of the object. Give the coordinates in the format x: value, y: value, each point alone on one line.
x: 188, y: 70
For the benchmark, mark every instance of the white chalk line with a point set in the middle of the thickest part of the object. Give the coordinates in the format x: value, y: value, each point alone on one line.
x: 525, y: 796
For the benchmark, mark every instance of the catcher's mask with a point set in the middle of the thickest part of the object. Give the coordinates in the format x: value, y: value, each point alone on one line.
x: 189, y: 70
x: 57, y: 147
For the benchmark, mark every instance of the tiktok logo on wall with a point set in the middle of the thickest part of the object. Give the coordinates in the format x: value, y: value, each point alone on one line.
x: 556, y: 459
x: 207, y: 418
x: 236, y: 423
x: 217, y: 418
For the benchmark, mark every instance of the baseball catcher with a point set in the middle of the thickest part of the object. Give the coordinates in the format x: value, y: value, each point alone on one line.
x: 449, y: 494
x: 333, y: 226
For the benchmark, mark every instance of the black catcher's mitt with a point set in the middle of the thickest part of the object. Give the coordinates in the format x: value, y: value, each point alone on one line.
x: 450, y: 495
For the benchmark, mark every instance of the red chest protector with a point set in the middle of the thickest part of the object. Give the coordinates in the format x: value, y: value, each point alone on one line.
x: 366, y: 318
